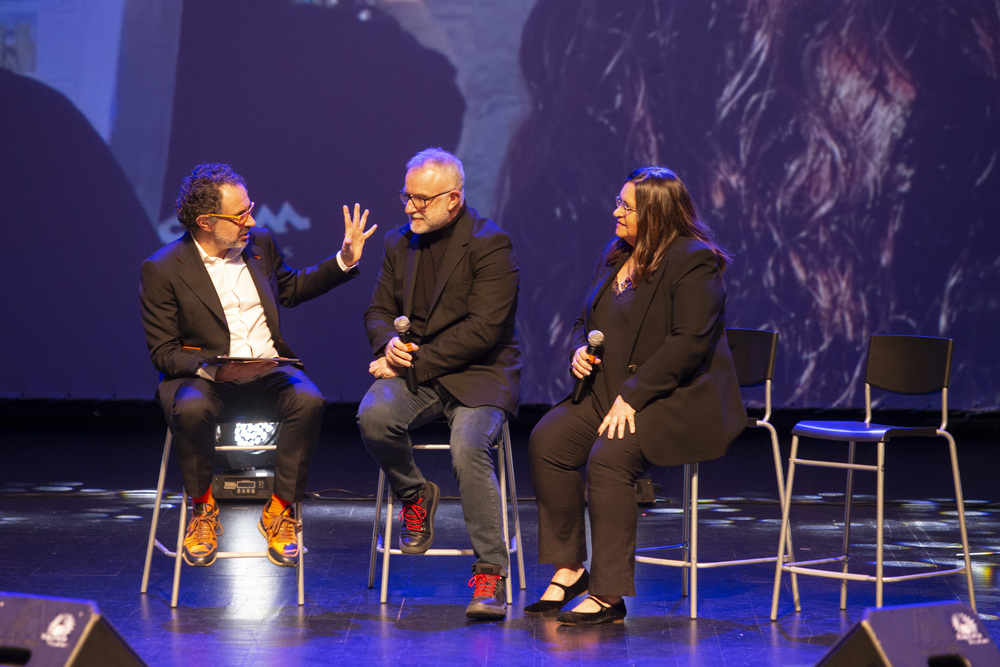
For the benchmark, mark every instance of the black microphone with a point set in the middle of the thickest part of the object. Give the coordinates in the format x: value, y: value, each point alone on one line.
x: 402, y: 326
x: 595, y: 346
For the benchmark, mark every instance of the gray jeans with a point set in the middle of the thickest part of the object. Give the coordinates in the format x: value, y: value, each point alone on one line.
x: 387, y: 414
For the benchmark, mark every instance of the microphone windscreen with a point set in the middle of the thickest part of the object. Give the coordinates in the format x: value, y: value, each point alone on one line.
x: 402, y: 324
x: 595, y: 338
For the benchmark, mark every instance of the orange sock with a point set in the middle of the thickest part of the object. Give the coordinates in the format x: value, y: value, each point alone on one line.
x: 205, y: 497
x: 282, y: 504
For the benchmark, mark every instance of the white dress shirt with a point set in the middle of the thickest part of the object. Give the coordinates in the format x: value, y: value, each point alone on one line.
x: 248, y: 332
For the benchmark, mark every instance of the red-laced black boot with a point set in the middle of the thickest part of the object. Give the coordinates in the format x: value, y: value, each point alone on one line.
x: 417, y: 517
x: 489, y: 600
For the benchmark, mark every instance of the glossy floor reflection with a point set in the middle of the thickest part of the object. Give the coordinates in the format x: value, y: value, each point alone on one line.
x: 75, y: 507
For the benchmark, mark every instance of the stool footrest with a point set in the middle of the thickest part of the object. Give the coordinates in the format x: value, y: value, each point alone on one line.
x: 155, y: 543
x: 382, y: 527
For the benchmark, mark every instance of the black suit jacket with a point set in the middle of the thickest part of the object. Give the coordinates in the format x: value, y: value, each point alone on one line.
x: 470, y: 345
x: 680, y: 377
x: 182, y: 313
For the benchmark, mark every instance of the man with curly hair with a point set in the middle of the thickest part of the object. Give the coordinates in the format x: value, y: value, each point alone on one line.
x: 215, y: 293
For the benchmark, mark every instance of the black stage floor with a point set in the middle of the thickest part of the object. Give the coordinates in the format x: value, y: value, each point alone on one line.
x: 75, y: 506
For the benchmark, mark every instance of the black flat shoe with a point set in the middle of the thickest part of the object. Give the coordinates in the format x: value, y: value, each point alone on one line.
x: 576, y: 589
x: 608, y: 613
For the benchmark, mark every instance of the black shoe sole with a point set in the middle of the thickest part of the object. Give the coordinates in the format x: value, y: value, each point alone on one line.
x: 416, y: 551
x: 201, y: 561
x: 486, y: 615
x: 282, y: 561
x: 486, y: 612
x: 611, y: 614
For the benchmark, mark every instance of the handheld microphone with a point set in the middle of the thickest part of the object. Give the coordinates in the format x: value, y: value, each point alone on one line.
x: 402, y: 326
x: 595, y: 346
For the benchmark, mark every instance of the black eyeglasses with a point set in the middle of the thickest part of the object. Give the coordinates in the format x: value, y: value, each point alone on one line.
x: 621, y: 204
x: 419, y: 202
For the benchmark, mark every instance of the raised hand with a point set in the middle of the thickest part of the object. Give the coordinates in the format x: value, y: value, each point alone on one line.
x: 354, y: 235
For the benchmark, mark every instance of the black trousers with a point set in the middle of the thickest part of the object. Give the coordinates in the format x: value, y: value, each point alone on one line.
x: 561, y: 445
x: 283, y: 395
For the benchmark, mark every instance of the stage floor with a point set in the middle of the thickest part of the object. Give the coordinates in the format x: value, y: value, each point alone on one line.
x: 75, y: 507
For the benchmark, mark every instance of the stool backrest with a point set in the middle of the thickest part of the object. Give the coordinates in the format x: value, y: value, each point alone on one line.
x: 909, y: 364
x: 753, y: 353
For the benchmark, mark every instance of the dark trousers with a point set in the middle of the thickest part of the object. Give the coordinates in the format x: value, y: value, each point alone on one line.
x: 283, y: 395
x: 561, y: 445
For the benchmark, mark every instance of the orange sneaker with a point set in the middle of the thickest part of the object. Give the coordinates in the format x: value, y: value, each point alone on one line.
x: 281, y: 530
x: 268, y: 517
x: 202, y: 539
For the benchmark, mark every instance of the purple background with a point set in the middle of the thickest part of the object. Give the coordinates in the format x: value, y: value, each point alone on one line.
x: 845, y: 152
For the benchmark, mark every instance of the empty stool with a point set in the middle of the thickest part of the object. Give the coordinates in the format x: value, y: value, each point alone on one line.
x: 912, y: 365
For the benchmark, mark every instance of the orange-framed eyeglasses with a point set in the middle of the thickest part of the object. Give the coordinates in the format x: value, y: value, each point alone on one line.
x: 239, y: 220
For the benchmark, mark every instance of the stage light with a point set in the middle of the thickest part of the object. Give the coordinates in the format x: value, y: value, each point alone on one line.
x: 246, y: 434
x: 248, y: 472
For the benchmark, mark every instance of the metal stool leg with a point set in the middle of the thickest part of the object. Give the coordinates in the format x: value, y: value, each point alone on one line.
x: 180, y: 549
x: 156, y: 512
x: 784, y: 534
x: 693, y: 557
x: 848, y: 499
x: 300, y: 574
x: 960, y: 506
x: 686, y: 534
x: 386, y: 543
x: 879, y: 524
x: 502, y: 478
x: 776, y: 453
x: 375, y: 531
x: 513, y: 498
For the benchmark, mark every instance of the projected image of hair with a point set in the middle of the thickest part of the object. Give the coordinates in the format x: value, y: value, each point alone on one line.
x: 846, y: 153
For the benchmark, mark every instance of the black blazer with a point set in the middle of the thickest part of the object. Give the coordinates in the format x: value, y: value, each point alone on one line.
x: 680, y: 377
x: 182, y: 313
x: 470, y: 345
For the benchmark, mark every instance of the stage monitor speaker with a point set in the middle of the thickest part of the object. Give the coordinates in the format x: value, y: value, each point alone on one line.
x: 41, y: 631
x: 939, y: 634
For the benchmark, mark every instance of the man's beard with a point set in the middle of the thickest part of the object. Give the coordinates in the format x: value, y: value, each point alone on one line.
x: 237, y: 243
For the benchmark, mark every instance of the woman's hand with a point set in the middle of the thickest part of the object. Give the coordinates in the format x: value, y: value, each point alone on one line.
x: 619, y: 414
x: 581, y: 366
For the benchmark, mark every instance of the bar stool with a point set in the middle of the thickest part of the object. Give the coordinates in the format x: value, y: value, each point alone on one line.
x: 176, y: 554
x: 908, y: 365
x: 754, y: 353
x: 382, y: 538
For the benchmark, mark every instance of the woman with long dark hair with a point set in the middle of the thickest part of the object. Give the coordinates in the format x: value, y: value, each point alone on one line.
x: 664, y: 393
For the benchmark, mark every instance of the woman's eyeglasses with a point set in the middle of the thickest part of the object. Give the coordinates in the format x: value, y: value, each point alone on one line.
x: 621, y: 204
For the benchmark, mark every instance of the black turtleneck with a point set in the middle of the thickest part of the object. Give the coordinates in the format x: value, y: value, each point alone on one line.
x: 432, y: 247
